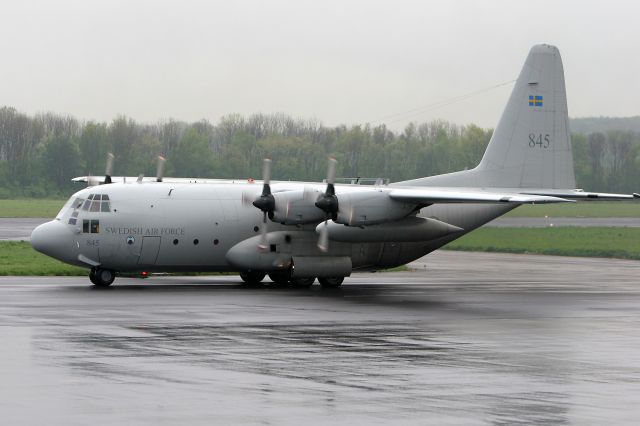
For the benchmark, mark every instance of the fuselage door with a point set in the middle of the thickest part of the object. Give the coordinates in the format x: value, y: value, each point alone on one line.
x: 149, y: 250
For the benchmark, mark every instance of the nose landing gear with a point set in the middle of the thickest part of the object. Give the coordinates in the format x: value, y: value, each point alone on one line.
x: 102, y: 277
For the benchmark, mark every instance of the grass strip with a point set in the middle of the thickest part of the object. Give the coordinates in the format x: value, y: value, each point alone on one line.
x: 621, y: 243
x: 30, y: 207
x: 19, y: 258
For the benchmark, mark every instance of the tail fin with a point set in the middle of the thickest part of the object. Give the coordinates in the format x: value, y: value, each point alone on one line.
x: 530, y: 147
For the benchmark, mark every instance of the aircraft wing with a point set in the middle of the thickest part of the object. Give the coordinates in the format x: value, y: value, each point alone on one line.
x: 578, y: 194
x: 426, y: 195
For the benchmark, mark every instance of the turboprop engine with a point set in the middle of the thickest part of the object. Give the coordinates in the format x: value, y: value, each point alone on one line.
x: 369, y: 207
x: 297, y: 207
x: 410, y: 229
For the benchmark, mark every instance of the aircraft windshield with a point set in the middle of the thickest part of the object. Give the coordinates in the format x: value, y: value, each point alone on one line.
x: 64, y: 208
x: 94, y: 203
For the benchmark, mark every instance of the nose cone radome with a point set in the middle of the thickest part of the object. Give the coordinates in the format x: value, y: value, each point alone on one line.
x: 53, y: 239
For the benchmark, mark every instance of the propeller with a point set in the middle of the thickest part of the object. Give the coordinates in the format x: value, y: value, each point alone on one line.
x: 160, y: 168
x: 328, y: 202
x: 265, y: 201
x: 108, y: 171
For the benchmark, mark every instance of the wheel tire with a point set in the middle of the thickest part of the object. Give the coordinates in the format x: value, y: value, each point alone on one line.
x: 331, y: 282
x: 252, y: 277
x: 103, y: 277
x: 92, y: 276
x: 280, y: 277
x: 303, y: 282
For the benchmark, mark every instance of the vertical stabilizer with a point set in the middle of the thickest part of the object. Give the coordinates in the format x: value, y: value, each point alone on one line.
x: 531, y: 146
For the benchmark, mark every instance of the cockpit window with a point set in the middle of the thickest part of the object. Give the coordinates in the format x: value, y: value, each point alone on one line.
x: 64, y: 208
x: 97, y: 203
x: 74, y: 218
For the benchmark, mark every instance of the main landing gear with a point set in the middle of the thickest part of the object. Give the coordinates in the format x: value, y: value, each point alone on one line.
x: 102, y: 277
x: 332, y: 282
x: 284, y: 279
x: 252, y: 277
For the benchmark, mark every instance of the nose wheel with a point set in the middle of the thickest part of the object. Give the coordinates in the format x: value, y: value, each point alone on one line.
x: 102, y: 277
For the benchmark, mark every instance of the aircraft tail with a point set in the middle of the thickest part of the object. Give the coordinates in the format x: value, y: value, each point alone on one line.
x: 531, y: 146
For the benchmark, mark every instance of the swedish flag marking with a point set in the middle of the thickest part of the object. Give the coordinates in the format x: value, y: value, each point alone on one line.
x: 535, y: 100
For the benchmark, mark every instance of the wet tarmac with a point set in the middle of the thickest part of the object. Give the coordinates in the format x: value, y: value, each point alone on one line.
x: 18, y: 228
x: 466, y: 339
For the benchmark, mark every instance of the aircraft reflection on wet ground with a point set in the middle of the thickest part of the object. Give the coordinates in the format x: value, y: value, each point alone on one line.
x: 472, y: 339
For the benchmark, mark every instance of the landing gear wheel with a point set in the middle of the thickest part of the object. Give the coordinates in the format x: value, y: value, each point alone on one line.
x: 102, y: 277
x: 303, y: 282
x: 281, y: 277
x: 332, y: 282
x: 92, y: 275
x: 252, y: 278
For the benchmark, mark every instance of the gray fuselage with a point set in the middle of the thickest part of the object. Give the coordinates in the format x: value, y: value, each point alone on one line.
x: 191, y: 227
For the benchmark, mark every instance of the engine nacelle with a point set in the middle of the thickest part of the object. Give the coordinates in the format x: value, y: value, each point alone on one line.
x: 369, y: 208
x: 297, y: 207
x: 410, y: 229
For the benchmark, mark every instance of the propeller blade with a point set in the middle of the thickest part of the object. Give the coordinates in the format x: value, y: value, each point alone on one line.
x: 108, y: 170
x: 328, y: 202
x: 266, y: 171
x: 331, y: 171
x: 323, y: 239
x: 263, y: 233
x: 248, y: 198
x: 310, y: 194
x: 160, y: 168
x: 93, y: 181
x: 265, y: 201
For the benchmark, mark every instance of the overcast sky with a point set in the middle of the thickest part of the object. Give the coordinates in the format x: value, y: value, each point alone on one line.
x: 337, y: 61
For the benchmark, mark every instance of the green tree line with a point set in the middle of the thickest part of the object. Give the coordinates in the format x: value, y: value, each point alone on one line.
x: 39, y: 154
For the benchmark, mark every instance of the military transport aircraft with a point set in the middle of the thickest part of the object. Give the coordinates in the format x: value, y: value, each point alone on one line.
x: 299, y: 231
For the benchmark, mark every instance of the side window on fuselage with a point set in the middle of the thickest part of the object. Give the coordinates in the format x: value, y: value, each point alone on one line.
x: 91, y: 226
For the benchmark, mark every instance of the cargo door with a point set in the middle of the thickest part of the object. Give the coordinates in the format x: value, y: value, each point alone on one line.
x: 149, y: 250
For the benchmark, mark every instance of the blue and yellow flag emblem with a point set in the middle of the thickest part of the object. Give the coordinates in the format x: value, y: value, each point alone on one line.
x: 535, y: 100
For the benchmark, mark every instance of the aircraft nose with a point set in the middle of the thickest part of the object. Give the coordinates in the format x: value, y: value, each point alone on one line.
x: 52, y: 238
